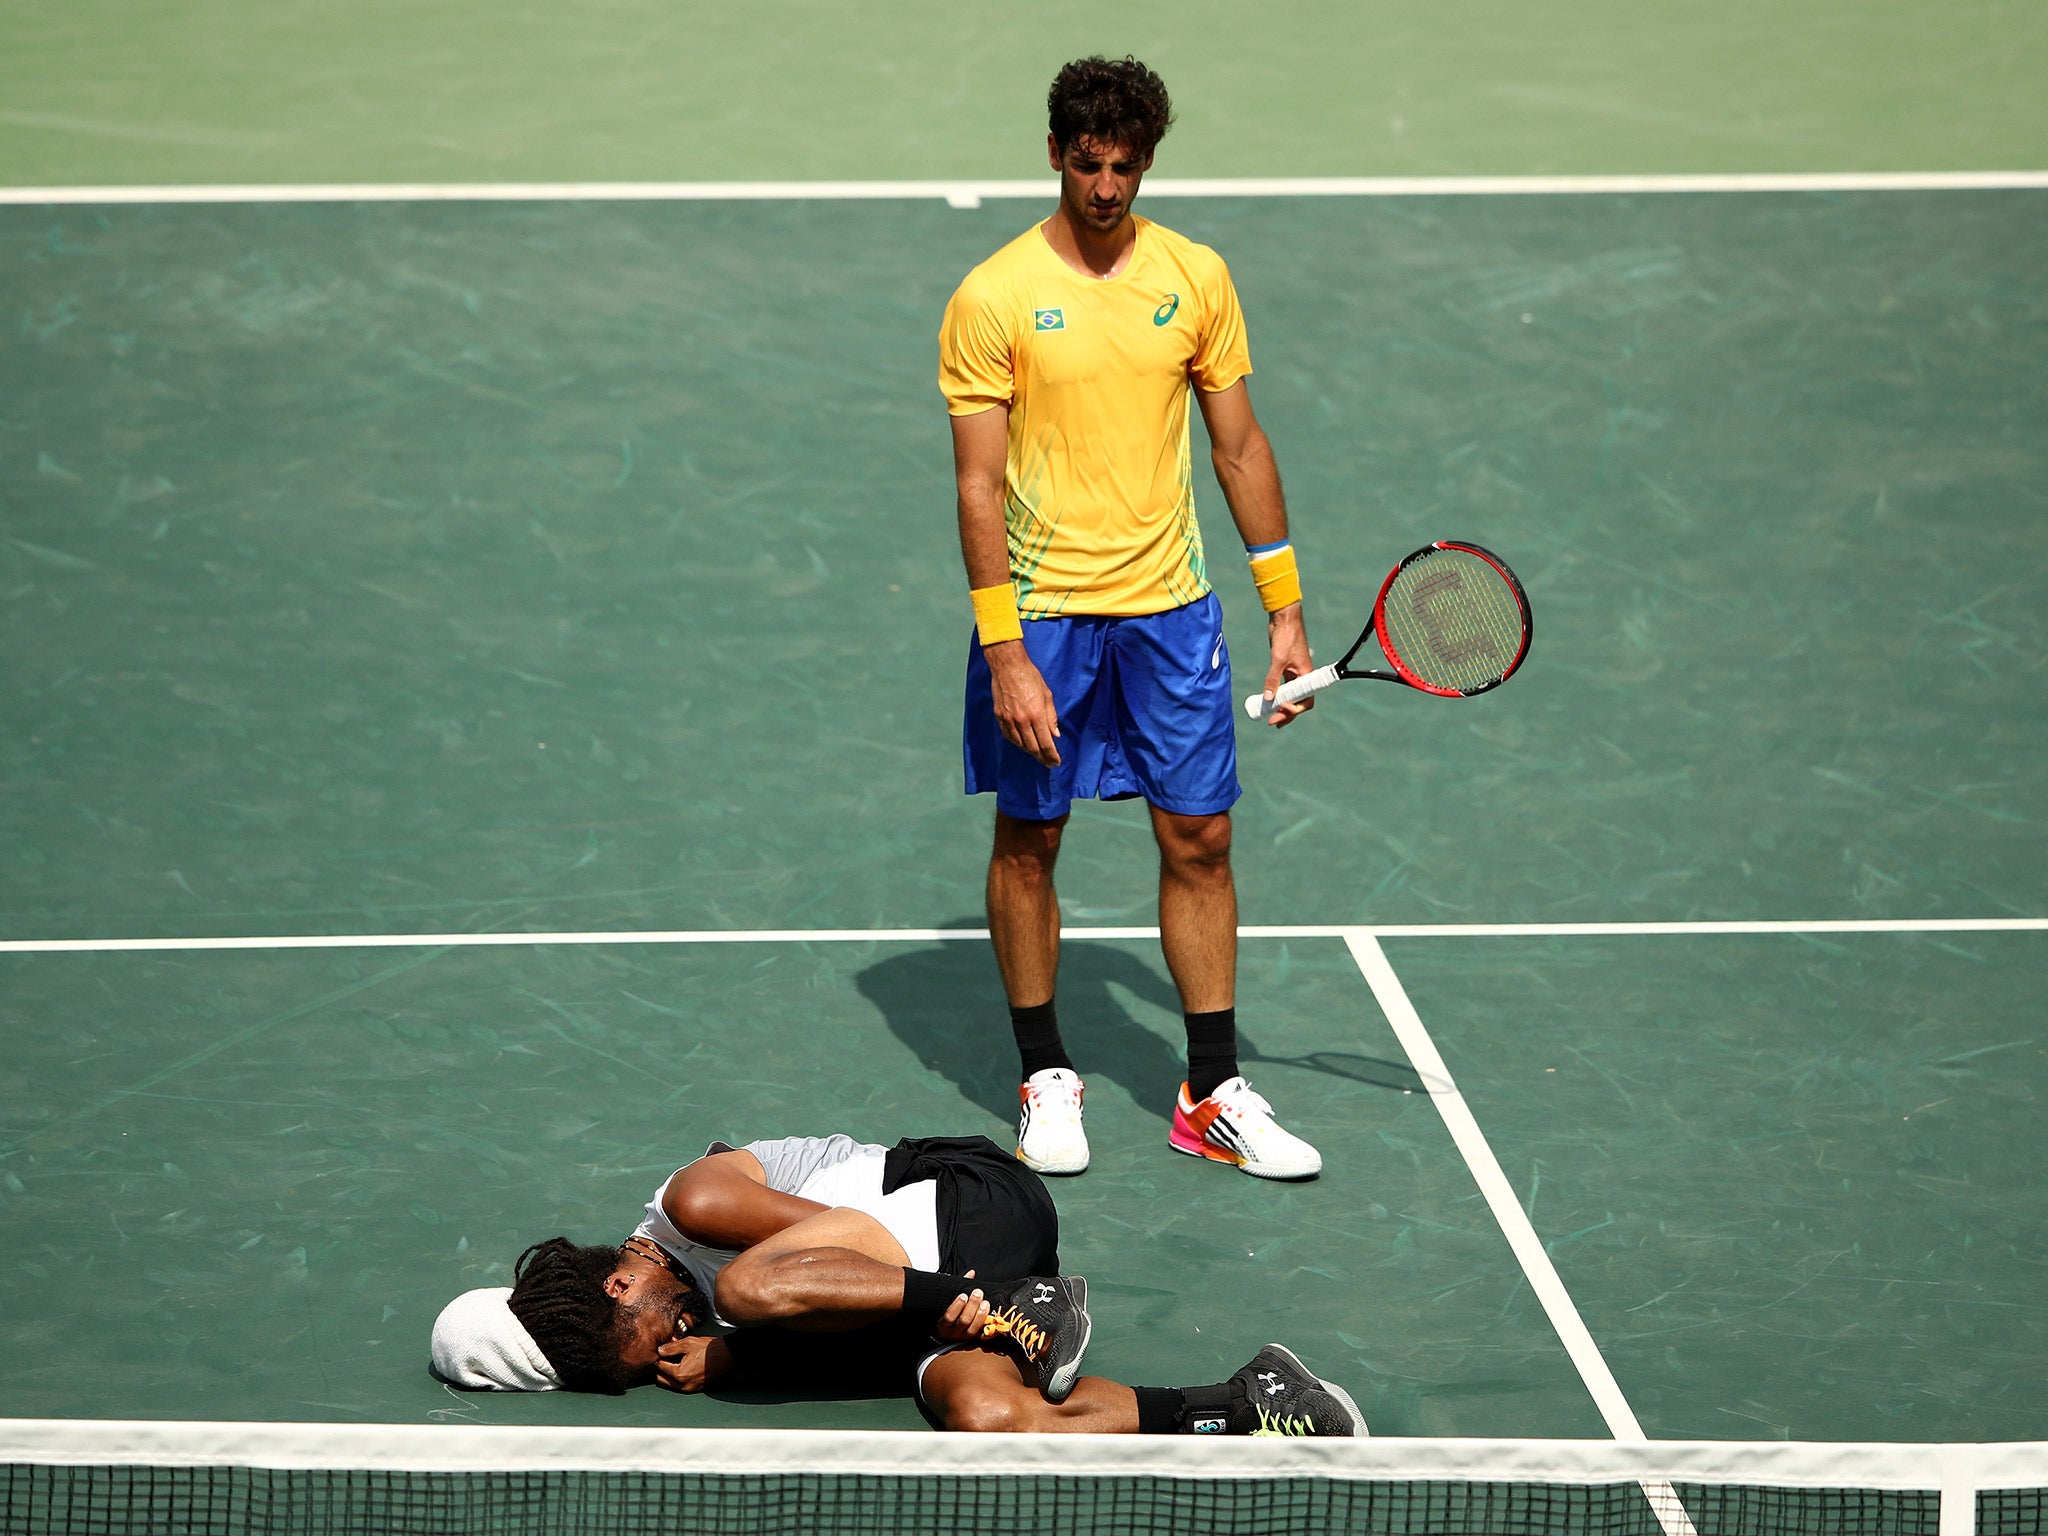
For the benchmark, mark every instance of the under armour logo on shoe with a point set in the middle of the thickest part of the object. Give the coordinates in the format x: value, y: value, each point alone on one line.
x: 1273, y: 1384
x: 1041, y: 1294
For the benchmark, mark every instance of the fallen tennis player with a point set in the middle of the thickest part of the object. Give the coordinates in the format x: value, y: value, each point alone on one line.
x: 929, y: 1268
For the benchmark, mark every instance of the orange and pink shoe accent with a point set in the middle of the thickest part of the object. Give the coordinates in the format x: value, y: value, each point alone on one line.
x: 1235, y: 1125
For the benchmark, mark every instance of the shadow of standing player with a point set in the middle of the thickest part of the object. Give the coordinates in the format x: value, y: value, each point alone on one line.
x: 946, y: 1003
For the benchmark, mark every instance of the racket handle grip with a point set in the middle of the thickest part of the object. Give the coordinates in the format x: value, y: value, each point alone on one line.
x: 1258, y: 706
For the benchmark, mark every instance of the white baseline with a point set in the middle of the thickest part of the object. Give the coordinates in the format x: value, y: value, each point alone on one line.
x: 944, y: 935
x: 972, y: 193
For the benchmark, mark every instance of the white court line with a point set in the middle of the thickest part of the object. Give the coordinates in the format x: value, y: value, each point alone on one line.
x: 971, y: 193
x: 1513, y: 1220
x: 1764, y: 925
x: 1493, y: 1184
x: 941, y: 935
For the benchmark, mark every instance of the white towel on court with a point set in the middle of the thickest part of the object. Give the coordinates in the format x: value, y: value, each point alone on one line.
x: 479, y: 1344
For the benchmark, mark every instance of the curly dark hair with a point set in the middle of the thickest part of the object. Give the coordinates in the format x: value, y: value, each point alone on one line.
x: 558, y: 1294
x: 1112, y: 101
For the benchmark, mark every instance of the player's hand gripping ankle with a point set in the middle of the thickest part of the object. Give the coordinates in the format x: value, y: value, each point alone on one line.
x: 965, y: 1319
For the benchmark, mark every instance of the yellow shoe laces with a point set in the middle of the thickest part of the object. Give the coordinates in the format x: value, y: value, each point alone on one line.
x: 1283, y: 1424
x: 1031, y: 1338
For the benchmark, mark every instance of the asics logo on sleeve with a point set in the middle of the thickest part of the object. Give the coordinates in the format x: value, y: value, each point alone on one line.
x: 1166, y: 308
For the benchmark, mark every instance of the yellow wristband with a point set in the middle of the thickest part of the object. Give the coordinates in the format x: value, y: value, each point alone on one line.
x: 995, y: 613
x: 1278, y: 581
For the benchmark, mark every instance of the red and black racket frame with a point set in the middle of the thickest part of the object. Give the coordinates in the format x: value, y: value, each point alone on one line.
x: 1379, y: 619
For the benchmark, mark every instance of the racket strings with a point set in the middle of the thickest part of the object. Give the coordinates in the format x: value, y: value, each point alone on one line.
x: 1452, y: 620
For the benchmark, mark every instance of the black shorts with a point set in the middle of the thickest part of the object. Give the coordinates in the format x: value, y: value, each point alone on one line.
x: 995, y: 1216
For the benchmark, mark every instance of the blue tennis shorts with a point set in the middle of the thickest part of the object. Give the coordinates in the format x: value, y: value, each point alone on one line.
x: 1144, y: 707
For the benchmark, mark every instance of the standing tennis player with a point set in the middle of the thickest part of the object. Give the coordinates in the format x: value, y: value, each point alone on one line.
x: 1098, y: 671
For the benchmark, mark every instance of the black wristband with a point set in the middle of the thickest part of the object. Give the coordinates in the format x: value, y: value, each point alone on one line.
x: 927, y: 1293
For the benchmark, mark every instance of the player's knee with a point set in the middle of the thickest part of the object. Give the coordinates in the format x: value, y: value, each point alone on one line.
x: 1028, y: 848
x: 1197, y: 845
x: 986, y: 1408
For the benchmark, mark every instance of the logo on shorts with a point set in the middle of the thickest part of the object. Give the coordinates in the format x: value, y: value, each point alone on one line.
x: 1166, y: 308
x: 1048, y: 320
x: 1216, y: 656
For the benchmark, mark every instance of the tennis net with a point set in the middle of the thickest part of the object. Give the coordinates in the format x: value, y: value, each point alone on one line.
x: 90, y: 1478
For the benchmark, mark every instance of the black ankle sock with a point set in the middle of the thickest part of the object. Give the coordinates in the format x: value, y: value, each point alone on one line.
x: 927, y: 1294
x: 1184, y: 1410
x: 1212, y: 1051
x: 1037, y: 1029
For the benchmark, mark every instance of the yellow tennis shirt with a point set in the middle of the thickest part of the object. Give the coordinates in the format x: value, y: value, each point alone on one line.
x: 1099, y: 496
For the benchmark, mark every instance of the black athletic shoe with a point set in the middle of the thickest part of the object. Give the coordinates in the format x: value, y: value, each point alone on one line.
x: 1282, y: 1397
x: 1047, y: 1319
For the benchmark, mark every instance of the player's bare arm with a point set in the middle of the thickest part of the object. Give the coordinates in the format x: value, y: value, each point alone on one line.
x: 724, y: 1200
x: 695, y: 1362
x: 1250, y: 478
x: 1023, y: 704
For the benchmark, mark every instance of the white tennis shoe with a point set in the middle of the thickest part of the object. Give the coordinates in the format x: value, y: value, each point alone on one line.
x: 1235, y: 1125
x: 1049, y: 1134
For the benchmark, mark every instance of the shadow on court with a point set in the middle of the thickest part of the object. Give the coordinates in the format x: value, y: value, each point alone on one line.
x: 946, y: 1003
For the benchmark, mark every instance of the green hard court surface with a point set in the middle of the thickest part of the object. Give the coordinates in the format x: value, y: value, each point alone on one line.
x: 100, y: 91
x: 429, y: 569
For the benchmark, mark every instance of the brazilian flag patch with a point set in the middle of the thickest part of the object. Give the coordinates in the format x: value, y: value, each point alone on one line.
x: 1048, y: 320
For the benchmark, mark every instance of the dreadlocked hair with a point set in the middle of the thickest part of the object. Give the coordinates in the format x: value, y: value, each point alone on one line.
x: 1112, y: 101
x: 558, y: 1295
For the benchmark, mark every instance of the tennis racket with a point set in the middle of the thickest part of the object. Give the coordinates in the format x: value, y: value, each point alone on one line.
x: 1451, y: 619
